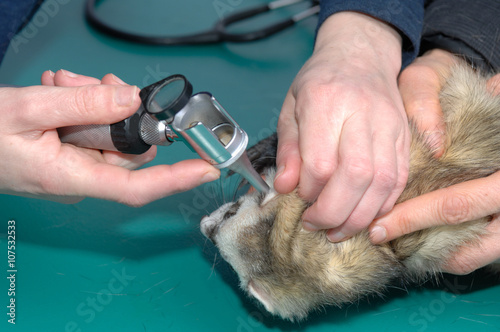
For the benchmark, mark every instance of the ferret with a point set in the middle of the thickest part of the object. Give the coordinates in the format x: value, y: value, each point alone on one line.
x: 292, y: 271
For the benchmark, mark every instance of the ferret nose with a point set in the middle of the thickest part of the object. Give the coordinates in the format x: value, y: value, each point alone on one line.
x: 209, y: 229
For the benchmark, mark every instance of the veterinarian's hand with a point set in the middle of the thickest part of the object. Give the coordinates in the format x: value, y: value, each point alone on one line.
x: 456, y: 204
x: 35, y: 163
x: 420, y: 84
x: 343, y: 133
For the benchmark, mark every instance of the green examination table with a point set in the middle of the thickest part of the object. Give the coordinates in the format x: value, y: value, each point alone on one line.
x: 102, y: 266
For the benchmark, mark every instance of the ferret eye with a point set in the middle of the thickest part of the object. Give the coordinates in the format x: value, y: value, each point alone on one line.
x: 261, y: 198
x: 232, y: 210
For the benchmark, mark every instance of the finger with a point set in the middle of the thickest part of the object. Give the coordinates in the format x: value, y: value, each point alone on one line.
x: 137, y: 188
x: 456, y: 204
x: 493, y: 84
x: 53, y: 107
x: 129, y: 161
x: 385, y: 178
x: 66, y: 78
x: 288, y: 154
x: 48, y: 78
x: 319, y: 140
x: 403, y: 164
x: 348, y: 183
x: 472, y: 257
x: 112, y: 80
x: 419, y: 87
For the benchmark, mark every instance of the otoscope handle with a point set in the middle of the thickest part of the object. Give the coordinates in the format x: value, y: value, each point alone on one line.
x: 134, y: 135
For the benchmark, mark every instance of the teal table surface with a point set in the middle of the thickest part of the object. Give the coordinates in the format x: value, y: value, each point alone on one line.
x: 102, y: 266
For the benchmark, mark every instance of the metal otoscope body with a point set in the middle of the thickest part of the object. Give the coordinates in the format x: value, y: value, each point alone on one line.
x: 169, y: 113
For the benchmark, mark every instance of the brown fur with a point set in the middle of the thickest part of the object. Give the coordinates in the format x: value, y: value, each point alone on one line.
x: 292, y: 271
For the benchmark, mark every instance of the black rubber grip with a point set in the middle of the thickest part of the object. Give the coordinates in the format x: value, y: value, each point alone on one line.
x: 126, y: 135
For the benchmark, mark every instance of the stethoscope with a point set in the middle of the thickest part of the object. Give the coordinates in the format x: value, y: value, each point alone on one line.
x: 218, y: 33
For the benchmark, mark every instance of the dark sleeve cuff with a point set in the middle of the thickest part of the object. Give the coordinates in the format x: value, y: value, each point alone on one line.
x: 406, y: 16
x: 466, y: 28
x: 14, y: 14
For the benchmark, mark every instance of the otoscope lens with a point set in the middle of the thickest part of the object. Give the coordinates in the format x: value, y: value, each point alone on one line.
x: 165, y: 98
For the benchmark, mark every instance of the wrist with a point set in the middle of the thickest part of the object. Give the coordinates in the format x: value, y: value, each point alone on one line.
x: 360, y: 40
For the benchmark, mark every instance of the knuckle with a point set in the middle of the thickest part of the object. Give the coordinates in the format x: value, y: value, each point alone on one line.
x: 285, y: 149
x: 134, y: 200
x: 461, y: 265
x: 454, y: 209
x: 356, y: 223
x: 359, y: 170
x: 89, y: 98
x: 319, y: 169
x: 385, y: 179
x: 322, y: 216
x: 133, y: 196
x: 83, y: 99
x: 317, y: 93
x: 387, y: 206
x: 405, y: 224
x: 285, y: 122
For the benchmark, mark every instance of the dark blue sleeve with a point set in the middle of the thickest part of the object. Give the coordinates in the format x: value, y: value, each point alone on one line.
x: 406, y: 16
x: 13, y: 15
x: 468, y: 28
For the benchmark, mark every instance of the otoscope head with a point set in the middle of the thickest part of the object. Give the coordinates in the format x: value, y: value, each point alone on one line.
x: 203, y: 124
x: 216, y: 137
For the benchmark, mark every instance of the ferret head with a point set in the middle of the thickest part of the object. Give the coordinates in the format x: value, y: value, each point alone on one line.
x: 289, y: 270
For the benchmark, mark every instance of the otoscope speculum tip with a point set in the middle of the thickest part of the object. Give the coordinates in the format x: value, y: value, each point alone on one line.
x: 243, y: 167
x: 216, y: 137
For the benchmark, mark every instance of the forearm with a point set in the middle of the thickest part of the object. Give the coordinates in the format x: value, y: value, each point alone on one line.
x: 405, y: 17
x: 363, y: 41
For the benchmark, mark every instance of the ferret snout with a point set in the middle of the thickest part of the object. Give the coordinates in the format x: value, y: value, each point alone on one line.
x: 208, y: 226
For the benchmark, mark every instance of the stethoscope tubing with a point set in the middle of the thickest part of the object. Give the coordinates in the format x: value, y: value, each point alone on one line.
x: 215, y: 35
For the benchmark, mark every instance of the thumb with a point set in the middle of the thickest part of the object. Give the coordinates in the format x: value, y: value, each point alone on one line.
x: 419, y: 88
x: 288, y: 155
x: 494, y: 85
x: 140, y: 187
x: 456, y: 204
x: 48, y: 107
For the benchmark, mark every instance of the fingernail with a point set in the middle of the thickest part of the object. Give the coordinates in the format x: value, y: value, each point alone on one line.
x: 378, y: 234
x: 210, y: 176
x: 125, y: 96
x: 280, y: 171
x: 434, y: 139
x: 118, y: 80
x: 336, y: 236
x: 68, y: 73
x: 309, y: 227
x: 51, y: 73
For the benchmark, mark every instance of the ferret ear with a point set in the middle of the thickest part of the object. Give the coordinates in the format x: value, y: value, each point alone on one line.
x: 263, y: 154
x: 260, y: 294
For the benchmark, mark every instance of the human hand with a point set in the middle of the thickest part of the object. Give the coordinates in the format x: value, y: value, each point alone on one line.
x: 459, y: 203
x: 343, y: 132
x: 35, y: 163
x: 420, y: 84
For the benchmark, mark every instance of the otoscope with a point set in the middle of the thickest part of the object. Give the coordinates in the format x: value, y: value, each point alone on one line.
x: 170, y: 112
